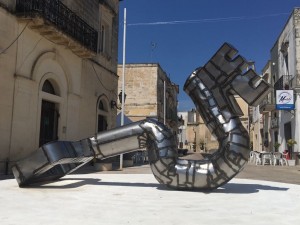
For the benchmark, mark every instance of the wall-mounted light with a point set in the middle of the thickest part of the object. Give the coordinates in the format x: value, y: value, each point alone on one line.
x: 114, y: 104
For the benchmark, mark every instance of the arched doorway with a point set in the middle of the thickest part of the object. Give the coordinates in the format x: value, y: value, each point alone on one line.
x: 49, y: 116
x: 102, y: 115
x: 102, y: 124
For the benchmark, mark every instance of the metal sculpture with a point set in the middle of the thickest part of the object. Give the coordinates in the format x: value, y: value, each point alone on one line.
x: 212, y: 89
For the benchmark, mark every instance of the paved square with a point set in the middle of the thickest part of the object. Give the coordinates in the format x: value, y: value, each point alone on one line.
x: 139, y: 199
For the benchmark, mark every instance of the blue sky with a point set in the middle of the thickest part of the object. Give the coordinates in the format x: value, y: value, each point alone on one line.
x: 183, y: 35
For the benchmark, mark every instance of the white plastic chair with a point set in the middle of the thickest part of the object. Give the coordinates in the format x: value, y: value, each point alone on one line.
x: 285, y: 155
x: 252, y: 157
x: 257, y: 158
x: 267, y: 158
x: 277, y: 157
x: 138, y: 157
x: 284, y: 159
x: 145, y: 156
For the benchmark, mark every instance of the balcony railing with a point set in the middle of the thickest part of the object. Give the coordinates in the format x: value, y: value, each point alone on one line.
x: 283, y: 82
x: 59, y: 15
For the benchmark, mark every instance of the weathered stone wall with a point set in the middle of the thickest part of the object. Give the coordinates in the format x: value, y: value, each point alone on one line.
x: 79, y: 83
x: 144, y: 87
x: 8, y: 4
x: 8, y: 31
x: 141, y: 90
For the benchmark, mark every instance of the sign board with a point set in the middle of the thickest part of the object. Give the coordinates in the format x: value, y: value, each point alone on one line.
x: 285, y: 100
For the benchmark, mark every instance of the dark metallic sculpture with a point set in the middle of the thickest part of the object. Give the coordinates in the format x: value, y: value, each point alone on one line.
x: 212, y: 88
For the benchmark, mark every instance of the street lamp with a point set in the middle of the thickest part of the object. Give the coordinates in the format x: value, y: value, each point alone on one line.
x: 113, y: 104
x: 120, y: 96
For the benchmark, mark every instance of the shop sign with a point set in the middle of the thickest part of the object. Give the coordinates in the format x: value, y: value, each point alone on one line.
x: 285, y: 100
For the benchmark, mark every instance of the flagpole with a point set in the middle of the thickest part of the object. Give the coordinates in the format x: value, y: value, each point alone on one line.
x: 123, y: 82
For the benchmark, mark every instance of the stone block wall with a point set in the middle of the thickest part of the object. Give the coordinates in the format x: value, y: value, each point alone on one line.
x: 141, y: 90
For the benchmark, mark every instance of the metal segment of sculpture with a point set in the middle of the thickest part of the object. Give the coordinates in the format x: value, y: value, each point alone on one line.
x: 212, y: 89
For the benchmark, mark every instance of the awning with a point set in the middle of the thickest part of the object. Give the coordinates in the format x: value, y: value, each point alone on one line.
x: 126, y: 120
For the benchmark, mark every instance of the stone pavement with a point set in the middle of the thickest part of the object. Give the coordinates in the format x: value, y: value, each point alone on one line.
x: 133, y: 196
x: 285, y: 174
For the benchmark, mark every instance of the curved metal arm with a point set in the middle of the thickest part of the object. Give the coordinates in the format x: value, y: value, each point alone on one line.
x: 212, y: 89
x: 56, y: 159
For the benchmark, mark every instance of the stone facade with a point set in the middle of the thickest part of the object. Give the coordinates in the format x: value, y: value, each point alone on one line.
x: 48, y: 84
x: 262, y: 124
x: 283, y: 71
x: 194, y: 134
x: 148, y: 92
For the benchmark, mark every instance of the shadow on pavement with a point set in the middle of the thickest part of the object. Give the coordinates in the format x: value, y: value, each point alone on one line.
x: 229, y: 188
x: 78, y: 182
x: 236, y: 188
x: 6, y: 177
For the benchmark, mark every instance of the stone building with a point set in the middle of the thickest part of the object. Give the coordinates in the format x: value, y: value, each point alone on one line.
x: 196, y: 137
x: 149, y: 94
x: 58, y: 61
x: 284, y: 74
x: 261, y: 117
x: 193, y: 134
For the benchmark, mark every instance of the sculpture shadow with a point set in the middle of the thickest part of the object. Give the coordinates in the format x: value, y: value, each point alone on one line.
x: 6, y: 177
x: 78, y: 182
x: 229, y: 188
x: 238, y: 188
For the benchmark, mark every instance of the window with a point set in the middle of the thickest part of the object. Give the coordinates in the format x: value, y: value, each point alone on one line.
x: 276, y: 136
x: 285, y: 55
x: 105, y: 32
x: 102, y: 39
x: 102, y: 114
x: 48, y: 87
x: 101, y: 106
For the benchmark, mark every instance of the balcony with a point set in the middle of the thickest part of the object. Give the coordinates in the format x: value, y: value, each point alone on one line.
x: 283, y: 83
x: 56, y: 22
x: 266, y: 106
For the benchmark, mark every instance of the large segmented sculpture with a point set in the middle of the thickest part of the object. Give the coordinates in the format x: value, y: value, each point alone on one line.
x: 212, y: 89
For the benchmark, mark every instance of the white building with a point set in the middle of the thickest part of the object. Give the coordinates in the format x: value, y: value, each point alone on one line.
x: 283, y: 72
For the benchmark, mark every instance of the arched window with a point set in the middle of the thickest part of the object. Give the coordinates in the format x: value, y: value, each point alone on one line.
x: 101, y: 106
x: 48, y: 87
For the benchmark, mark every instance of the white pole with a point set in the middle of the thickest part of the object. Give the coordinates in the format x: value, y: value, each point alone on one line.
x: 164, y: 102
x: 259, y: 138
x: 123, y: 82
